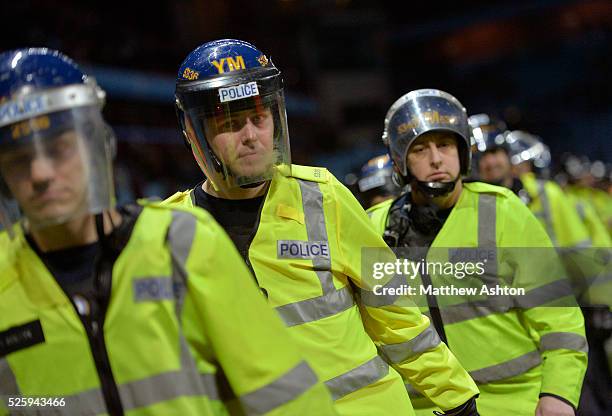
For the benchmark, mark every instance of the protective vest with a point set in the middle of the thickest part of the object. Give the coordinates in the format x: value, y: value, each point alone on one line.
x: 183, y: 309
x: 306, y: 255
x: 555, y: 212
x: 600, y: 200
x: 513, y: 349
x: 588, y: 269
x: 597, y: 230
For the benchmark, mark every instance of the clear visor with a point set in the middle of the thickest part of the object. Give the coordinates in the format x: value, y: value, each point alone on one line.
x: 412, y: 116
x: 55, y: 167
x: 242, y: 141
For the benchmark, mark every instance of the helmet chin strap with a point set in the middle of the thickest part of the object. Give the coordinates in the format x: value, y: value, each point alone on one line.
x: 435, y: 189
x: 251, y: 185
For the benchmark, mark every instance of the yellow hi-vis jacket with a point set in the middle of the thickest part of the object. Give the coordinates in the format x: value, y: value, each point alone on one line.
x: 555, y: 212
x: 587, y: 269
x: 514, y: 351
x: 306, y: 254
x: 597, y: 230
x: 600, y: 200
x: 183, y: 307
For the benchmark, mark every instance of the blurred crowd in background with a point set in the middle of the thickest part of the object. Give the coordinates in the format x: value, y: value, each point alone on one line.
x: 541, y: 66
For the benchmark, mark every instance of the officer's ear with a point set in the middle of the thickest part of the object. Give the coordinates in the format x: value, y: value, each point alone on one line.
x: 397, y: 178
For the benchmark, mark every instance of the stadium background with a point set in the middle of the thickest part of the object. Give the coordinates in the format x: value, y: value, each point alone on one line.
x: 543, y: 66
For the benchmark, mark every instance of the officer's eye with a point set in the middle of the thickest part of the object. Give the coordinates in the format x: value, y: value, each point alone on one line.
x: 19, y: 158
x: 259, y: 119
x: 447, y: 143
x: 228, y: 125
x: 418, y: 149
x: 62, y: 146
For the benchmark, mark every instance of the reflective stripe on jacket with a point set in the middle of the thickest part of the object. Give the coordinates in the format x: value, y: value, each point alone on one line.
x: 183, y: 306
x: 501, y: 339
x: 306, y: 255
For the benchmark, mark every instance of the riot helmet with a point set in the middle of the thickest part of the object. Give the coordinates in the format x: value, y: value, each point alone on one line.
x: 376, y: 182
x: 417, y: 113
x: 527, y: 147
x: 231, y: 108
x: 55, y: 148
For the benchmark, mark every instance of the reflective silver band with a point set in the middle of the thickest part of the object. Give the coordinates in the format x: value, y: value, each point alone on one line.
x: 180, y: 239
x: 581, y: 245
x: 412, y: 391
x: 160, y: 387
x: 369, y: 298
x: 564, y: 340
x: 8, y: 381
x: 317, y: 308
x: 426, y: 340
x: 549, y: 292
x: 314, y: 217
x: 163, y: 387
x: 141, y: 393
x: 469, y: 310
x: 546, y: 212
x: 599, y: 280
x: 487, y: 238
x: 358, y: 378
x: 284, y: 389
x: 201, y: 384
x: 487, y: 234
x: 510, y: 368
x: 50, y: 101
x: 181, y: 234
x: 580, y: 209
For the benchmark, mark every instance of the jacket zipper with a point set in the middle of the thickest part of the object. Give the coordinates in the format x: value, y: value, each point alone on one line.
x: 92, y: 318
x: 93, y: 327
x: 252, y: 237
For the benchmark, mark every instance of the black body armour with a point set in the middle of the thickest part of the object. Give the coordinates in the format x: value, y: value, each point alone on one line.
x: 416, y: 226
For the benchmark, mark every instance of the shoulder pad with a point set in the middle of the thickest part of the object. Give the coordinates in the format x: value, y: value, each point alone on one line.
x: 310, y: 173
x: 384, y: 205
x: 481, y: 187
x: 179, y: 198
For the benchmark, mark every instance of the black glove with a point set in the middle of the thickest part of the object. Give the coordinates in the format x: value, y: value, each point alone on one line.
x: 466, y: 409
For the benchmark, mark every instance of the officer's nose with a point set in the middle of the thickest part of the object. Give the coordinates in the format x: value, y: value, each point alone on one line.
x: 248, y: 134
x: 41, y: 169
x: 434, y: 154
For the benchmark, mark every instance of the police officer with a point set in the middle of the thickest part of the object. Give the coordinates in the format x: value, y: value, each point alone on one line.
x: 487, y: 138
x: 301, y: 233
x: 375, y: 182
x: 104, y: 309
x: 572, y: 226
x: 530, y: 161
x: 492, y: 159
x: 525, y: 360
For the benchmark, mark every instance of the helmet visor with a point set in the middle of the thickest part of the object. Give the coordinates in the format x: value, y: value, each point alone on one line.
x: 420, y: 112
x: 55, y: 167
x: 243, y: 138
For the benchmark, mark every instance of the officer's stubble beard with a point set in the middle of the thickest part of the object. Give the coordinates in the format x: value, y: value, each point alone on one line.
x: 253, y: 189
